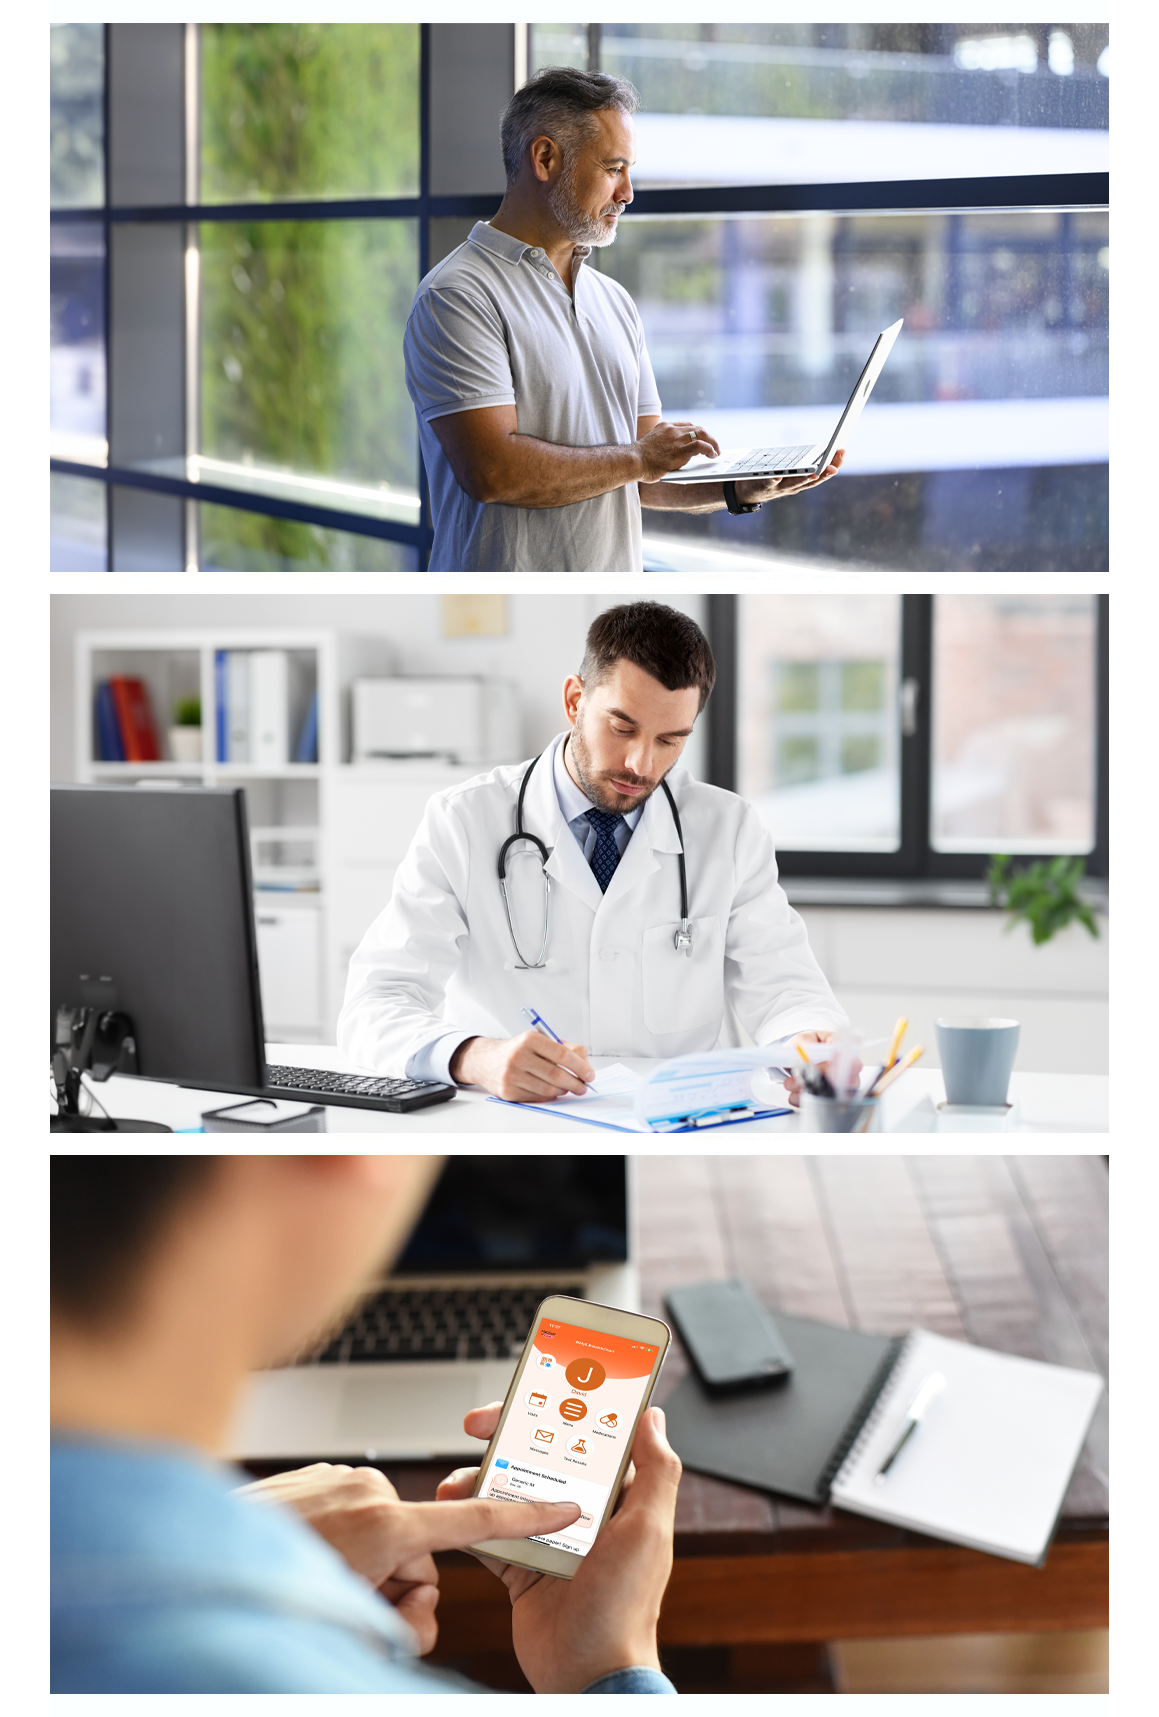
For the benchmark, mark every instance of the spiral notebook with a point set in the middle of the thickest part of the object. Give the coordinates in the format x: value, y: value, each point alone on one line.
x: 988, y: 1467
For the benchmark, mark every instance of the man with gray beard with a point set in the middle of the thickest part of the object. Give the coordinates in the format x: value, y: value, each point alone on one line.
x: 539, y: 417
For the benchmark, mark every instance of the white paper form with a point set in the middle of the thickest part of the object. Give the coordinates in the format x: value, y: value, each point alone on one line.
x: 688, y: 1093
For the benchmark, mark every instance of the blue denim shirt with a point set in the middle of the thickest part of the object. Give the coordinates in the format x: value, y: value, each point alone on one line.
x: 163, y: 1581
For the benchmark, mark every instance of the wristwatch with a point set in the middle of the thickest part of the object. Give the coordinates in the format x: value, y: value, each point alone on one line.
x: 734, y: 506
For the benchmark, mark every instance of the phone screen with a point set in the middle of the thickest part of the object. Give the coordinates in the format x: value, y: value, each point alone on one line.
x: 571, y: 1416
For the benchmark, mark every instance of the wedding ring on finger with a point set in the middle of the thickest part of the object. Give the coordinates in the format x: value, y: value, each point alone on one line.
x: 692, y: 435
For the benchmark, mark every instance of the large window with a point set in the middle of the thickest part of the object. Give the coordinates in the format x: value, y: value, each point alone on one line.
x: 798, y: 187
x: 914, y: 736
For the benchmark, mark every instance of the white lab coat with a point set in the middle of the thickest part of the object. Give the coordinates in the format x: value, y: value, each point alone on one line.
x: 441, y: 955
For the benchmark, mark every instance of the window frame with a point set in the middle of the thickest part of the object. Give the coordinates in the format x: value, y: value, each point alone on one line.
x: 915, y: 859
x: 1054, y: 191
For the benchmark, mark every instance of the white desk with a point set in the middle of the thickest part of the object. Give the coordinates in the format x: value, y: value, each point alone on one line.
x: 1046, y: 1103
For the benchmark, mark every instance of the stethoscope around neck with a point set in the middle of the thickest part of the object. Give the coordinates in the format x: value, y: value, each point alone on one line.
x: 682, y: 938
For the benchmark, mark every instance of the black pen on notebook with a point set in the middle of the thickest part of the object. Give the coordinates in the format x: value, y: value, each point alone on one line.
x: 915, y: 1413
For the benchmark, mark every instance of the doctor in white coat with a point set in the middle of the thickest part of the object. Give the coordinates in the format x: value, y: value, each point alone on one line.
x: 437, y: 987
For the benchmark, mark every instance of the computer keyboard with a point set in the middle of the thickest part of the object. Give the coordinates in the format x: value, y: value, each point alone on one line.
x: 439, y: 1323
x: 355, y: 1090
x: 771, y: 459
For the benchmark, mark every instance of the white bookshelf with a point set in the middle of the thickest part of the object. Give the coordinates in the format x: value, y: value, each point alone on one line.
x: 325, y: 837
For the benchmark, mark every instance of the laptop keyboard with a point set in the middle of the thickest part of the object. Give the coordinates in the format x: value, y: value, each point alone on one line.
x: 771, y: 458
x: 355, y: 1090
x: 439, y: 1323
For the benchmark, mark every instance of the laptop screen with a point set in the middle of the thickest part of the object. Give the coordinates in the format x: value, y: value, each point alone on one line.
x: 521, y: 1213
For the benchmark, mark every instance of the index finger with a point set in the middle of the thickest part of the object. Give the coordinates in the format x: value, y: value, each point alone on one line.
x: 428, y: 1526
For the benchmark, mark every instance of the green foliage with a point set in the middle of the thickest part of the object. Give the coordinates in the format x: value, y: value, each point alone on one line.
x: 187, y: 712
x: 302, y: 321
x: 1044, y: 893
x: 309, y: 110
x: 76, y: 61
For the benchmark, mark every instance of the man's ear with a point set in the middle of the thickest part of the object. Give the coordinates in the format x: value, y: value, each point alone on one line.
x: 545, y: 159
x: 573, y: 691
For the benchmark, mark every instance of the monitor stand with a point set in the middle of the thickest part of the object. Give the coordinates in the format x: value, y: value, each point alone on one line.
x: 102, y: 1124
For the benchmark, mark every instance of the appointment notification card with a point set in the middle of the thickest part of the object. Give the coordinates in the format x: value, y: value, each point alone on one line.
x: 570, y: 1422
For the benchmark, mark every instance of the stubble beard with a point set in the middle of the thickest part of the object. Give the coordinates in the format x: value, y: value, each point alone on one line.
x: 580, y: 227
x: 605, y: 798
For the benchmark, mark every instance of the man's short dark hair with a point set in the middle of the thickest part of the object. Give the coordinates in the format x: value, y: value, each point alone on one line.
x: 107, y: 1213
x: 558, y: 102
x: 661, y: 640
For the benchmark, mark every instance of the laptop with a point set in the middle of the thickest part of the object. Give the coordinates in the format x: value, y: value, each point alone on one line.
x: 442, y: 1333
x: 808, y: 458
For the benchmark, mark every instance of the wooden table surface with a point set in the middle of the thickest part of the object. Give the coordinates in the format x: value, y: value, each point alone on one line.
x: 1007, y: 1252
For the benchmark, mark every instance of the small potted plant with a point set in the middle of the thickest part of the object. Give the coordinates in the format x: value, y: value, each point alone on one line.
x: 185, y: 734
x: 1045, y: 894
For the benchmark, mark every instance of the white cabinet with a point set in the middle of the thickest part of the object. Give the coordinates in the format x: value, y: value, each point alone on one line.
x: 373, y: 813
x: 290, y: 963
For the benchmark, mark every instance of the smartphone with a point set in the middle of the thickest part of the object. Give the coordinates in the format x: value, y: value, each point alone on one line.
x: 584, y: 1377
x: 730, y: 1337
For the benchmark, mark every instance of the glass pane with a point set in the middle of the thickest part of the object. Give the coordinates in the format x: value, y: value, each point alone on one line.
x: 557, y: 45
x: 236, y: 541
x: 309, y: 110
x: 78, y: 539
x: 77, y: 75
x: 1013, y: 724
x: 302, y: 380
x: 77, y: 344
x: 818, y: 103
x: 985, y: 444
x: 817, y: 723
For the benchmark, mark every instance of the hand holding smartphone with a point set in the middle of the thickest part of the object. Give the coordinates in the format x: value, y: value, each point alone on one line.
x: 584, y: 1378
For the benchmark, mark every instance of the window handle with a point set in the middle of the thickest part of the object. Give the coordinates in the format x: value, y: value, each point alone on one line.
x: 907, y: 698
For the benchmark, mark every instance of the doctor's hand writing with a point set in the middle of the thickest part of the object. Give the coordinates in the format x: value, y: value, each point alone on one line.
x: 525, y: 1069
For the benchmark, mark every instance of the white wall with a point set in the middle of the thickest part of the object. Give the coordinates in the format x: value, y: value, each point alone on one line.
x: 923, y: 962
x: 544, y: 643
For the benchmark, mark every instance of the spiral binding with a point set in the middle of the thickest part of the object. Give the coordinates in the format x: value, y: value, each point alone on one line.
x: 864, y: 1416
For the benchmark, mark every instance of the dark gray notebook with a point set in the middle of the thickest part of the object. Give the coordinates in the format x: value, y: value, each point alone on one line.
x: 790, y: 1435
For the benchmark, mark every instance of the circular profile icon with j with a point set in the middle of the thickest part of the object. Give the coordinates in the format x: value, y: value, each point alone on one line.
x: 585, y: 1374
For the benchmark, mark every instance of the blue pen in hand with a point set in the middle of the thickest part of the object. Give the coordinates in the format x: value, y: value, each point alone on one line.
x: 539, y: 1024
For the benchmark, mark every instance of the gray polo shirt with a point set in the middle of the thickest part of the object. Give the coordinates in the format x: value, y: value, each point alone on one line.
x: 494, y: 324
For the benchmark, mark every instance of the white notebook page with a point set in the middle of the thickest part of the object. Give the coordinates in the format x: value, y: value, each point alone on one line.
x: 989, y: 1465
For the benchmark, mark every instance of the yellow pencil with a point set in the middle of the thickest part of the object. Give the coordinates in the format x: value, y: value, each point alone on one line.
x: 892, y: 1073
x: 898, y: 1034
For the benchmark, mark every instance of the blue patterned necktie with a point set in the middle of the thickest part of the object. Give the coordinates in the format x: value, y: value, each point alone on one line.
x: 607, y: 854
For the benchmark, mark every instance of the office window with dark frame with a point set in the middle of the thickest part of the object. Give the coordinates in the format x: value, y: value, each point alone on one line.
x: 310, y: 219
x: 914, y: 737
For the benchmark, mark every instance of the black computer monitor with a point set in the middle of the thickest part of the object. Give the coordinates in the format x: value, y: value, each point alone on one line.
x: 152, y: 916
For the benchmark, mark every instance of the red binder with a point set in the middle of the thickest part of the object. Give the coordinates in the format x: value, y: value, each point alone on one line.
x: 135, y: 720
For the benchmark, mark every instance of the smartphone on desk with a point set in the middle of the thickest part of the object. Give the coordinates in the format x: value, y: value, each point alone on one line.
x: 730, y: 1337
x: 585, y: 1376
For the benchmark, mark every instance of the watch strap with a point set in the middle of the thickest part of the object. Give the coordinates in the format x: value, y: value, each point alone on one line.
x: 734, y: 506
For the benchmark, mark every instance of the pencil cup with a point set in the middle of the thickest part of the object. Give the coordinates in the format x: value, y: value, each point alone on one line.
x: 840, y: 1114
x: 977, y: 1057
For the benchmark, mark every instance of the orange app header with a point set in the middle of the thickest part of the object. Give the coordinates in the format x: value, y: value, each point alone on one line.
x: 587, y: 1356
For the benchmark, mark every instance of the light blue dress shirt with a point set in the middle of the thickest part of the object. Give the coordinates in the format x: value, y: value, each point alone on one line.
x: 163, y: 1581
x: 433, y: 1060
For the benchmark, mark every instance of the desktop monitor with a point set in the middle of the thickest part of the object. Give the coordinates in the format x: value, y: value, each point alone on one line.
x: 152, y: 916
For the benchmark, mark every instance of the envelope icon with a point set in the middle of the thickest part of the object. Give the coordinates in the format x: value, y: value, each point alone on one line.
x: 542, y: 1436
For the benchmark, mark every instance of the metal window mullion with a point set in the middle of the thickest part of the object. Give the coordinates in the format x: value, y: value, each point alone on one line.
x: 192, y: 284
x: 426, y: 532
x: 916, y: 666
x: 1099, y: 862
x: 108, y: 282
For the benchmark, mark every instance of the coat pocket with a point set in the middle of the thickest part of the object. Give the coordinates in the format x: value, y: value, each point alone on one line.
x: 683, y: 991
